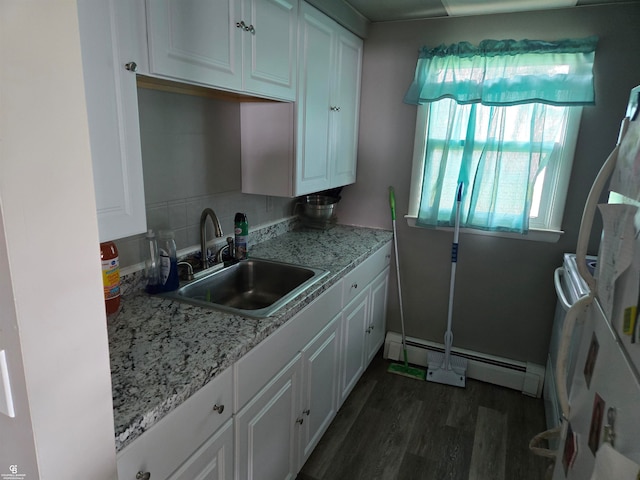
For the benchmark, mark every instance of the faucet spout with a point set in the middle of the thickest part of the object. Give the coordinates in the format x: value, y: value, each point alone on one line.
x: 207, y: 212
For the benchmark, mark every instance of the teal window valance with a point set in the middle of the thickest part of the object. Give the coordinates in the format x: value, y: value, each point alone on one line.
x: 506, y: 72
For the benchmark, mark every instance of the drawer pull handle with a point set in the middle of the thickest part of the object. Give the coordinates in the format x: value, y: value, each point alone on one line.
x: 218, y: 408
x: 306, y: 412
x: 300, y: 421
x: 355, y: 285
x: 143, y: 476
x: 131, y: 66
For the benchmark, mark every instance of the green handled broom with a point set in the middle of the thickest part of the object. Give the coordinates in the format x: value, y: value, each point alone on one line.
x: 401, y: 369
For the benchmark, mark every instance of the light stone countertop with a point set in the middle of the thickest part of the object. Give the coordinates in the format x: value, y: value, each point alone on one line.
x: 163, y: 351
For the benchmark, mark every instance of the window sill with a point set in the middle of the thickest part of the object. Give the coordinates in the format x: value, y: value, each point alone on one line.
x: 535, y: 234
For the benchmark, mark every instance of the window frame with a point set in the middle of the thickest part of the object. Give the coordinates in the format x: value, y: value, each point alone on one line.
x: 554, y: 193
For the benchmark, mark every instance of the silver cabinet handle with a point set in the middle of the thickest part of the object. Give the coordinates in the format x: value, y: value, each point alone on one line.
x: 143, y: 476
x: 245, y: 27
x: 354, y: 285
x: 335, y: 109
x: 300, y: 421
x: 218, y: 408
x: 306, y: 412
x: 131, y: 66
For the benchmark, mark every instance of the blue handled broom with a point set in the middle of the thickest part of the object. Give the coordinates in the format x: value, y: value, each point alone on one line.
x: 401, y: 369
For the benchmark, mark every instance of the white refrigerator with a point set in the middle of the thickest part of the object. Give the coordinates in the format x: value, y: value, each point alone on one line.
x: 600, y: 434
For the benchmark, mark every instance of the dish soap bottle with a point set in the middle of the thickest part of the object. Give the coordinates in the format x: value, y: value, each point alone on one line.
x: 169, y: 280
x: 110, y: 276
x: 151, y: 263
x: 241, y: 231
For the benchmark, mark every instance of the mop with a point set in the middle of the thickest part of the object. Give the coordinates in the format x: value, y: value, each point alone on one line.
x: 401, y: 369
x: 446, y: 368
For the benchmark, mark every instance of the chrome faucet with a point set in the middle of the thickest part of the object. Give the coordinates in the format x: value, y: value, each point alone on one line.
x: 207, y: 212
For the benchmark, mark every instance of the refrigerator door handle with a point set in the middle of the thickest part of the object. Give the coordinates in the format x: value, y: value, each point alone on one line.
x: 576, y: 310
x: 557, y: 282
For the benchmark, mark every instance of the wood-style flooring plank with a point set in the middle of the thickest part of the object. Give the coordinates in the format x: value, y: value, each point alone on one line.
x: 378, y: 439
x: 331, y: 442
x: 489, y: 446
x: 396, y: 428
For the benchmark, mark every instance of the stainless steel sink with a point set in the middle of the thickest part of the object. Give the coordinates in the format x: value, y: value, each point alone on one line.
x: 253, y: 287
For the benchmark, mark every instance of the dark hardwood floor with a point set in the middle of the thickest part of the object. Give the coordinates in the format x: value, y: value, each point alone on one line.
x: 393, y: 427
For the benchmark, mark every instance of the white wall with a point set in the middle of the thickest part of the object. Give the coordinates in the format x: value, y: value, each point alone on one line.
x: 52, y: 250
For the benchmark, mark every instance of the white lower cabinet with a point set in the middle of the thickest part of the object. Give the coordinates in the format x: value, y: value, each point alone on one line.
x: 194, y: 439
x: 266, y: 428
x: 213, y: 460
x: 321, y: 359
x: 354, y: 322
x: 375, y: 330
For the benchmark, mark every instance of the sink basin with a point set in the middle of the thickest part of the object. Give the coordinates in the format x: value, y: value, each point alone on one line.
x: 253, y: 287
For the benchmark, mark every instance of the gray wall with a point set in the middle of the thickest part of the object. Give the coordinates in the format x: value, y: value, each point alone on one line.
x: 191, y: 160
x: 505, y: 300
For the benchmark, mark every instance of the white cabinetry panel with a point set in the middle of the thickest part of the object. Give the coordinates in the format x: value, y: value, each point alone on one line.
x: 110, y: 39
x: 266, y: 439
x: 321, y: 359
x: 245, y: 46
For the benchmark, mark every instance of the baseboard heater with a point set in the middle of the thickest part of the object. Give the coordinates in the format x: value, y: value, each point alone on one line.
x: 525, y: 377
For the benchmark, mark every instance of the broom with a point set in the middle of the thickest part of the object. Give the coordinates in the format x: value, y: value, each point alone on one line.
x: 401, y: 369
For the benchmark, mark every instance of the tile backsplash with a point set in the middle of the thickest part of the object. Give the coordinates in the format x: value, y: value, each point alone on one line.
x: 191, y: 161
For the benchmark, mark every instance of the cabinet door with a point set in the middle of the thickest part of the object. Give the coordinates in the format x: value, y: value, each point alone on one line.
x: 270, y: 48
x: 196, y: 41
x: 345, y: 103
x: 266, y: 428
x: 354, y: 322
x: 320, y: 390
x: 378, y: 315
x: 212, y: 461
x: 108, y: 37
x: 314, y: 96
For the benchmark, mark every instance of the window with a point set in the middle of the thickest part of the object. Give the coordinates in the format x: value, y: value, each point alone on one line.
x: 550, y: 181
x: 501, y: 119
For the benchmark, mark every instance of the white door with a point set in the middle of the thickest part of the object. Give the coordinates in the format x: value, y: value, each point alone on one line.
x: 354, y: 322
x: 378, y: 315
x: 267, y: 428
x: 196, y: 41
x: 107, y: 33
x: 316, y: 42
x: 345, y: 103
x: 270, y: 47
x: 213, y: 460
x: 320, y: 392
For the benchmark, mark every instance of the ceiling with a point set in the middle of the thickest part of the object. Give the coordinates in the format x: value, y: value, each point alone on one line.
x: 390, y: 10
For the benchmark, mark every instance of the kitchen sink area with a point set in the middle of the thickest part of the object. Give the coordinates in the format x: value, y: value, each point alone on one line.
x: 164, y: 348
x: 254, y: 287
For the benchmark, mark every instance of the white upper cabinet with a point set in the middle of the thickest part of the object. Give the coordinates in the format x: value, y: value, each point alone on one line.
x: 322, y: 154
x: 328, y: 103
x: 245, y: 46
x: 111, y: 53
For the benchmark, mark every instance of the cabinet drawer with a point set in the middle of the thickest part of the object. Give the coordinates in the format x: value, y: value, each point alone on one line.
x: 257, y: 368
x: 166, y: 445
x: 356, y: 280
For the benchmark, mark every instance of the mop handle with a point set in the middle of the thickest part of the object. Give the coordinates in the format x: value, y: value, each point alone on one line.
x: 448, y: 336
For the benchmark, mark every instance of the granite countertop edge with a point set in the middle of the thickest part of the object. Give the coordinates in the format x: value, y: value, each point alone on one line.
x: 163, y: 351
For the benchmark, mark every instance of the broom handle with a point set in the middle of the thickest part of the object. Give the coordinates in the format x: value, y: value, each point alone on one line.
x: 392, y: 204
